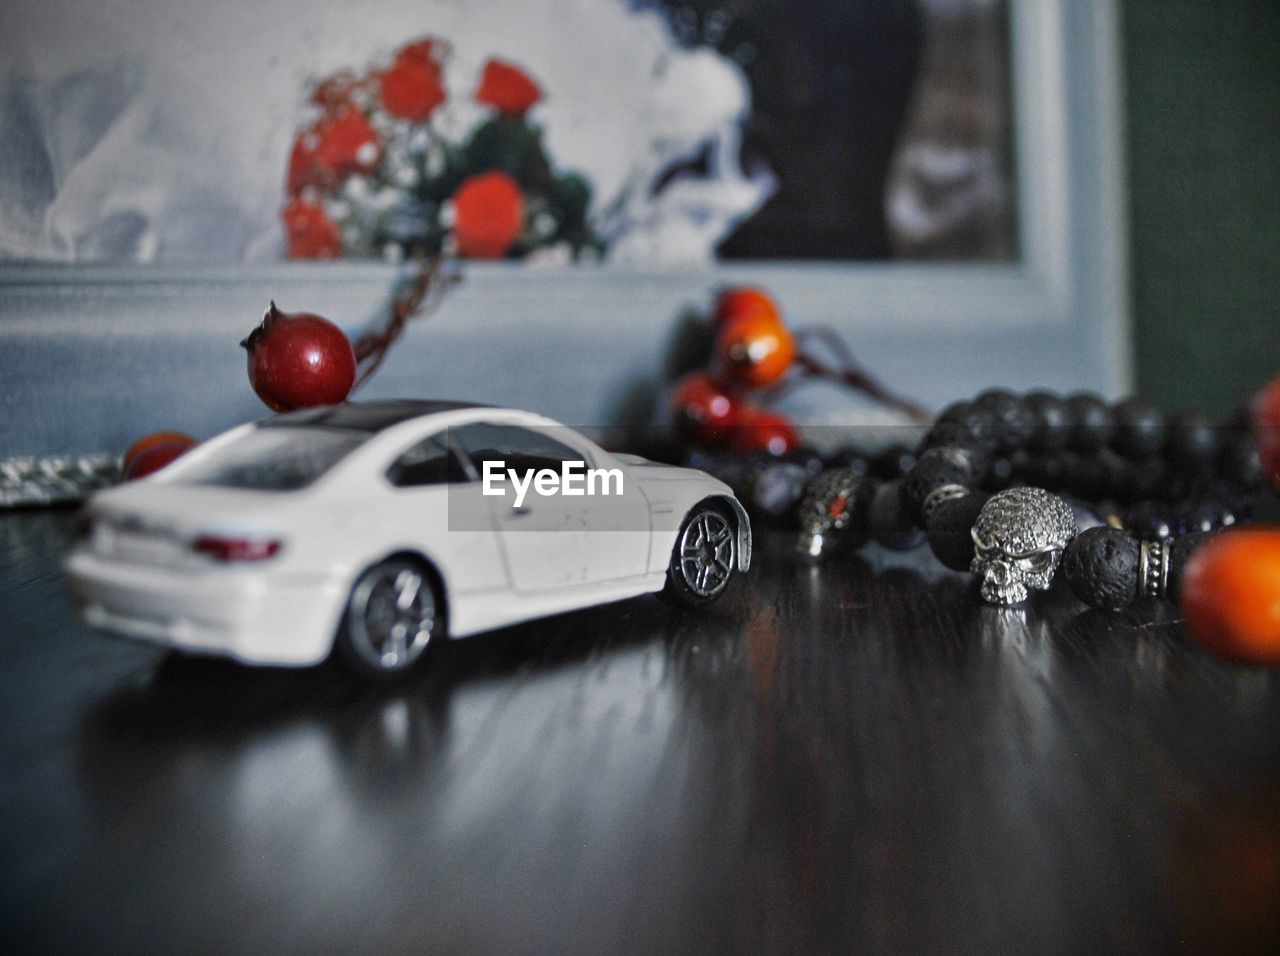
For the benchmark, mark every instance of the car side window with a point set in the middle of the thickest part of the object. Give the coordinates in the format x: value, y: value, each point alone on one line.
x: 430, y: 462
x: 519, y: 448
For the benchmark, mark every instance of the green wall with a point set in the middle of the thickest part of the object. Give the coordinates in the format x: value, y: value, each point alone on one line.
x: 1203, y: 115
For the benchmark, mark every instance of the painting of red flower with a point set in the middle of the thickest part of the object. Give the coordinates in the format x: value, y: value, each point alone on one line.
x: 488, y: 211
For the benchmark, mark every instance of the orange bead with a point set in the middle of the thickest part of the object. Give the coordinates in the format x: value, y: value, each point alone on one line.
x: 739, y: 301
x: 755, y: 349
x: 1231, y: 595
x: 153, y: 440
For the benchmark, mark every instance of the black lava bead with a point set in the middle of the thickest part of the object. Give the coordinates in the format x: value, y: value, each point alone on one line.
x: 936, y: 467
x: 1192, y: 438
x: 1054, y: 421
x: 1015, y: 422
x: 1092, y: 421
x: 1111, y: 473
x: 1140, y: 428
x: 999, y: 475
x: 849, y: 458
x: 1239, y: 459
x: 1101, y: 566
x: 1149, y: 521
x: 974, y: 441
x: 955, y: 412
x: 891, y: 523
x: 1045, y: 471
x: 894, y: 462
x: 1086, y: 476
x: 810, y: 459
x: 950, y: 530
x: 1147, y: 478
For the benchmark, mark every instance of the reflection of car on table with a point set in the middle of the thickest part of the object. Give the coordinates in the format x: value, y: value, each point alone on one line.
x: 376, y: 527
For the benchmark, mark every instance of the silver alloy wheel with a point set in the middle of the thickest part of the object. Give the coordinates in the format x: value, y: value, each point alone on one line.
x: 391, y: 615
x: 706, y: 553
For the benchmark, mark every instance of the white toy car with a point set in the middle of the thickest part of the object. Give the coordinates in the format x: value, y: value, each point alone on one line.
x: 374, y: 528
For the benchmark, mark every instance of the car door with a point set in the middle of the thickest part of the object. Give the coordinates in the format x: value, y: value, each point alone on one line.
x: 543, y: 536
x: 618, y: 521
x: 439, y: 508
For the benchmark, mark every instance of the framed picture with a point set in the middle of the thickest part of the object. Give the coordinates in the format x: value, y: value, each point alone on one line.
x: 938, y: 180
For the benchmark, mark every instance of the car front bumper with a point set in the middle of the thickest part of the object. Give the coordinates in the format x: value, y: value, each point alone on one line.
x: 251, y: 614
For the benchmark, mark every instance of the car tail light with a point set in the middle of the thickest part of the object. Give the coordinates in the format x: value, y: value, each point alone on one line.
x: 230, y: 550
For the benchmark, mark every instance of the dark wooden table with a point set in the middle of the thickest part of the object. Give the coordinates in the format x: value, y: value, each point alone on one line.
x: 853, y: 757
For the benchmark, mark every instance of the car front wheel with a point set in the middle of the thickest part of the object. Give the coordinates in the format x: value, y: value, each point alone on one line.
x: 703, y: 558
x: 391, y: 617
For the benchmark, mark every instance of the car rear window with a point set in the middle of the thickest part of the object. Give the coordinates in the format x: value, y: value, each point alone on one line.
x: 273, y: 459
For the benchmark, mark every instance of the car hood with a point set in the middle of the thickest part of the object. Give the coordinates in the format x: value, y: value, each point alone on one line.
x: 646, y: 471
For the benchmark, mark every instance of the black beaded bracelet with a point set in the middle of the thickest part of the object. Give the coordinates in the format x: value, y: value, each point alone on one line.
x: 983, y: 491
x: 983, y: 487
x: 1177, y: 476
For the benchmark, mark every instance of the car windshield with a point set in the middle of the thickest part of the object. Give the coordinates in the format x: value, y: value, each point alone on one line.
x: 273, y: 459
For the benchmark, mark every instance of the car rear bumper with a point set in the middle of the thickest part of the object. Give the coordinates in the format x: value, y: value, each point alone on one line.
x: 249, y: 614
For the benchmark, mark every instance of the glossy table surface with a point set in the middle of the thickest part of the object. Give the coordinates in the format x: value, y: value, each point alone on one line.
x: 854, y: 757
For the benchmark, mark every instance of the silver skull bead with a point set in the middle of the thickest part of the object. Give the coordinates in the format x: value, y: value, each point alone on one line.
x: 1018, y: 541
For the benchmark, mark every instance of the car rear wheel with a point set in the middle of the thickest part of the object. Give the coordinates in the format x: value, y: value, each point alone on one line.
x: 703, y: 558
x: 393, y: 613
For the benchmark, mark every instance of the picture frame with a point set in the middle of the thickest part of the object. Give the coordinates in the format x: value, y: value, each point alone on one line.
x: 95, y: 355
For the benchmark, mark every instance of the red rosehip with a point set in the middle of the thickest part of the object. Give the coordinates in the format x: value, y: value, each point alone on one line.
x: 507, y: 88
x: 759, y: 430
x: 705, y: 410
x: 755, y: 349
x: 152, y: 452
x: 299, y: 360
x: 1266, y: 427
x: 738, y: 301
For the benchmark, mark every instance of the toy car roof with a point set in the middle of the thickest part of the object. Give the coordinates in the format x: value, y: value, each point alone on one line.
x: 368, y: 417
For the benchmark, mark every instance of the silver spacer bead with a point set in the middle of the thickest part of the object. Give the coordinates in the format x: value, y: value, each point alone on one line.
x: 1153, y: 569
x: 938, y: 496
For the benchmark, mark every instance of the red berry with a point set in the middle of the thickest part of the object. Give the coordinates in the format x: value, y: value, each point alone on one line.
x: 755, y: 349
x: 152, y: 452
x: 151, y: 440
x: 1266, y: 426
x: 1230, y: 595
x: 764, y: 431
x: 704, y: 408
x: 299, y: 360
x: 738, y: 301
